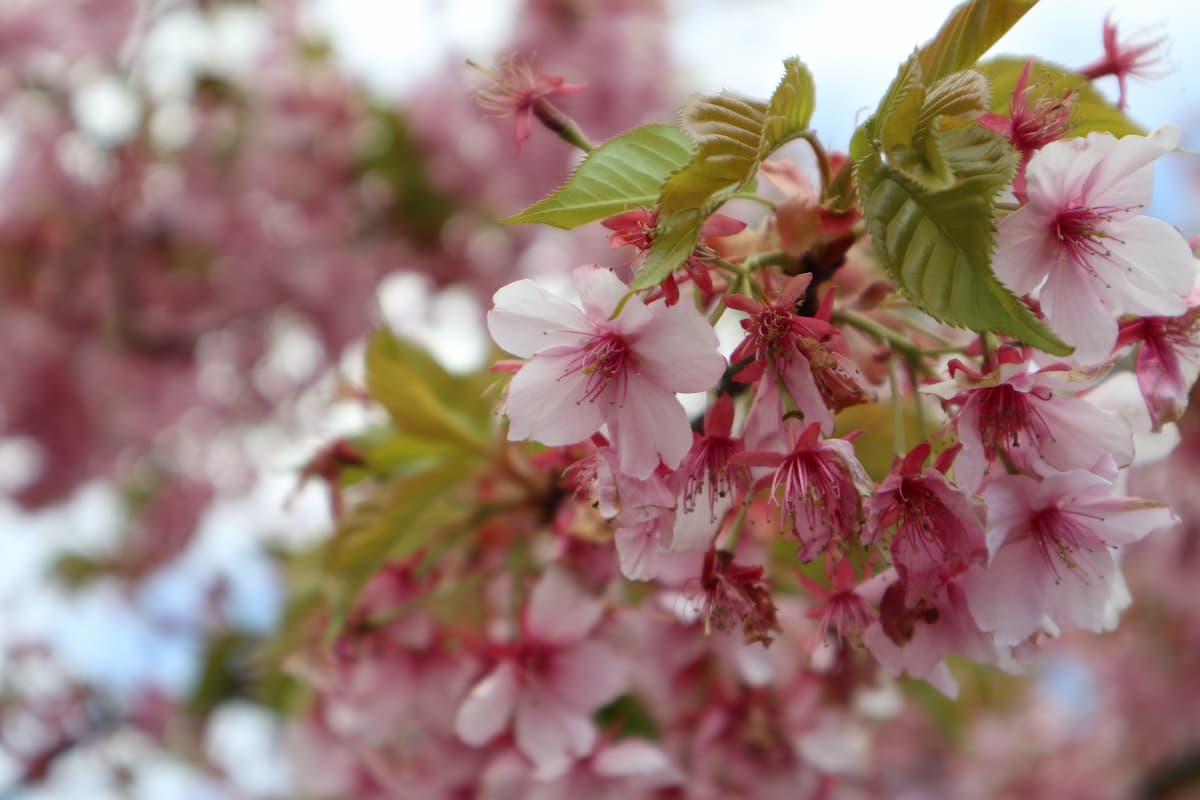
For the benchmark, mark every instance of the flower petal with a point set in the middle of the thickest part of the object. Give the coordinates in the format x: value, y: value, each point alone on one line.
x: 488, y: 706
x: 546, y: 402
x: 649, y: 423
x: 527, y: 319
x: 559, y: 610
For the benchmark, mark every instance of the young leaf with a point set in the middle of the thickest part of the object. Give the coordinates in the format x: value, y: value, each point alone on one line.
x: 733, y: 136
x: 625, y: 172
x: 421, y: 398
x: 790, y: 109
x: 967, y: 33
x: 1092, y: 112
x: 937, y: 245
x: 727, y: 130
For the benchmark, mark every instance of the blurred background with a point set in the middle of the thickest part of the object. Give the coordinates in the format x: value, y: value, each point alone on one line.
x: 206, y: 206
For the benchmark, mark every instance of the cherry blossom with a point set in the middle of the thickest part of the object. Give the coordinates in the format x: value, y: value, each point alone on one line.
x: 520, y: 91
x: 1168, y: 359
x: 1135, y: 57
x: 819, y: 485
x: 938, y: 527
x: 618, y: 362
x: 550, y: 681
x: 1024, y: 417
x: 1082, y: 234
x: 1048, y: 544
x: 1032, y: 122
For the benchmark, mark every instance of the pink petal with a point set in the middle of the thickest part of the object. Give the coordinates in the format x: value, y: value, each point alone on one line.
x: 801, y: 385
x: 551, y: 733
x: 1022, y: 250
x: 1076, y: 312
x: 677, y: 349
x: 649, y: 423
x: 588, y: 675
x: 1080, y: 595
x: 1158, y: 250
x: 1009, y: 597
x: 527, y: 319
x: 559, y: 610
x: 547, y: 404
x: 1125, y: 175
x: 636, y: 758
x: 1081, y: 434
x: 601, y: 292
x: 639, y: 551
x: 488, y: 706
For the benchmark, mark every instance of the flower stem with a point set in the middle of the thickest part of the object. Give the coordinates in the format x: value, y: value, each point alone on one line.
x: 560, y: 124
x: 898, y: 444
x: 735, y: 530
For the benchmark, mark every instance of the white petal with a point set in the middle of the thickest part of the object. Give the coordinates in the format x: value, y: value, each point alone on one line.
x: 527, y: 318
x: 638, y: 758
x: 486, y: 710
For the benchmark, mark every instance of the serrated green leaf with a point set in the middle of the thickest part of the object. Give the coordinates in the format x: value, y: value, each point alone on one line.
x: 625, y: 172
x: 674, y: 241
x: 1092, y: 112
x: 402, y: 518
x: 727, y: 130
x: 422, y: 399
x: 733, y: 135
x: 790, y: 108
x: 912, y: 117
x: 937, y: 245
x: 967, y: 33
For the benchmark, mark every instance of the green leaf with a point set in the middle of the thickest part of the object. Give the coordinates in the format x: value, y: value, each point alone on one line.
x: 422, y: 399
x: 790, y: 109
x: 625, y: 172
x: 401, y: 519
x: 937, y: 245
x: 733, y: 135
x: 1092, y: 112
x: 674, y: 241
x: 967, y: 33
x: 727, y: 130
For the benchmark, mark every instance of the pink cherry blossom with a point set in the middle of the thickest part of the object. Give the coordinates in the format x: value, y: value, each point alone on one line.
x: 707, y: 473
x: 819, y: 485
x: 915, y: 639
x: 1048, y: 542
x: 1032, y: 123
x: 794, y: 350
x: 637, y: 228
x: 1025, y: 417
x: 1083, y: 235
x: 938, y: 527
x: 618, y: 362
x: 736, y: 596
x: 548, y: 684
x: 520, y: 91
x: 1168, y: 359
x: 1137, y: 57
x: 841, y: 608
